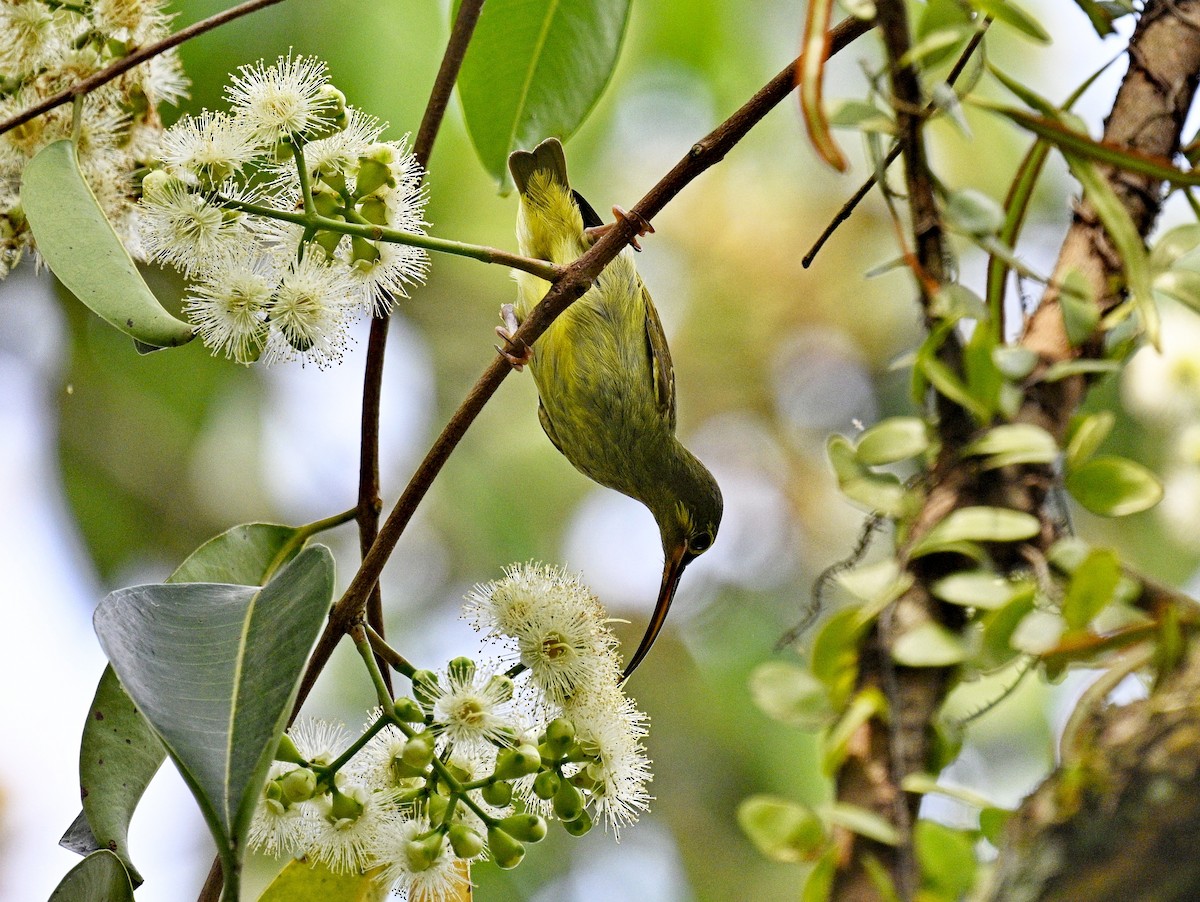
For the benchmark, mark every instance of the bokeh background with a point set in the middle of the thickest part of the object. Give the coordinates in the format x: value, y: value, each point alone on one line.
x: 113, y: 467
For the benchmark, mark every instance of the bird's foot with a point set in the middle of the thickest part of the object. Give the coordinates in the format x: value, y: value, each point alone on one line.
x: 517, y: 353
x: 643, y: 224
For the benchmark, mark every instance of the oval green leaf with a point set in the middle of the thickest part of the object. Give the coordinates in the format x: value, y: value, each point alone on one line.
x: 1086, y: 436
x: 892, y: 440
x: 535, y: 68
x: 303, y: 881
x: 979, y: 589
x: 1014, y: 443
x: 947, y: 859
x: 929, y: 645
x: 978, y: 524
x: 862, y: 821
x: 1114, y: 486
x: 119, y: 752
x: 1092, y: 588
x: 214, y: 668
x: 791, y: 695
x: 79, y: 245
x: 98, y: 878
x: 780, y: 829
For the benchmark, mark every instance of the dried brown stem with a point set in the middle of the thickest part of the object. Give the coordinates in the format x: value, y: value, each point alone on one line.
x: 139, y: 56
x: 574, y: 281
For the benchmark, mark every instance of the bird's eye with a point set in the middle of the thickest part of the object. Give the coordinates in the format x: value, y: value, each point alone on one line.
x: 700, y: 543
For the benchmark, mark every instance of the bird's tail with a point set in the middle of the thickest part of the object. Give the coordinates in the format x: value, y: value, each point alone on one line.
x: 547, y: 158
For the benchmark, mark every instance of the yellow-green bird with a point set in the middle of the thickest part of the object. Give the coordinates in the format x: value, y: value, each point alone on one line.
x: 604, y: 375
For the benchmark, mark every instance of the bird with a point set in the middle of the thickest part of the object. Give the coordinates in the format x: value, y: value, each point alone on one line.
x: 606, y: 386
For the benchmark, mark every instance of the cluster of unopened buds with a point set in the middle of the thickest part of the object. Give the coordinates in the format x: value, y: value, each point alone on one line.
x: 288, y: 214
x: 477, y: 761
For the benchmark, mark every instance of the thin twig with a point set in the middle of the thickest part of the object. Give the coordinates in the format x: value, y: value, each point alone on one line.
x: 125, y: 63
x: 574, y: 281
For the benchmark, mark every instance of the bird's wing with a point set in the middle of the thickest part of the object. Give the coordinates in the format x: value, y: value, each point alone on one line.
x: 661, y: 370
x: 548, y: 428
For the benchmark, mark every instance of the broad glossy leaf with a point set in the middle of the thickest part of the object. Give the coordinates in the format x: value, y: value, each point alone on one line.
x: 302, y: 881
x: 100, y: 877
x: 535, y: 68
x: 881, y: 492
x: 1087, y: 434
x: 978, y: 524
x: 791, y: 695
x: 1093, y: 586
x: 782, y: 830
x: 119, y: 752
x: 929, y: 645
x: 1114, y: 486
x: 892, y: 440
x: 214, y: 668
x: 80, y: 247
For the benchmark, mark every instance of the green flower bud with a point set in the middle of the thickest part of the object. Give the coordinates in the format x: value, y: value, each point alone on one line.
x: 497, y: 794
x: 408, y: 710
x: 580, y: 825
x: 328, y: 241
x: 273, y: 791
x: 436, y: 807
x: 155, y: 184
x: 287, y: 751
x: 333, y: 177
x: 568, y: 802
x: 425, y: 687
x: 518, y: 762
x: 560, y: 733
x: 506, y: 851
x: 374, y: 210
x: 525, y: 827
x: 461, y: 669
x: 419, y: 750
x: 465, y: 842
x: 298, y: 785
x: 374, y: 170
x: 546, y: 784
x: 326, y: 200
x: 362, y: 250
x: 576, y: 753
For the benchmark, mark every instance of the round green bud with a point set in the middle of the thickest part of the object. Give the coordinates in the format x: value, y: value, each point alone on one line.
x: 506, y: 851
x: 273, y: 791
x: 287, y: 751
x: 155, y: 184
x: 422, y: 853
x: 419, y: 750
x: 298, y: 785
x: 343, y: 807
x: 461, y: 669
x: 525, y: 827
x: 465, y: 842
x: 568, y: 802
x: 373, y: 174
x: 425, y: 687
x: 546, y: 784
x: 560, y: 733
x: 435, y: 808
x: 326, y: 200
x: 518, y: 762
x: 408, y: 710
x: 583, y: 781
x: 363, y: 250
x: 328, y: 242
x: 580, y: 825
x: 497, y: 794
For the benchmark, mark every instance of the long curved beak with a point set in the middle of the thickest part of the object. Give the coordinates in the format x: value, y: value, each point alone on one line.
x: 673, y: 568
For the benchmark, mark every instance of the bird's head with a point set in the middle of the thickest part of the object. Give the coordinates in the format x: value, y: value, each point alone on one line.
x: 688, y: 514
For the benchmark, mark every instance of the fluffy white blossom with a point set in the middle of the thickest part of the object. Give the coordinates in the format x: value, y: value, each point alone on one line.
x: 1164, y: 388
x: 412, y: 871
x: 282, y: 100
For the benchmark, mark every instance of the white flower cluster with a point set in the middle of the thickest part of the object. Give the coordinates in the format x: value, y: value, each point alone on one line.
x: 223, y: 207
x: 474, y: 764
x: 46, y: 47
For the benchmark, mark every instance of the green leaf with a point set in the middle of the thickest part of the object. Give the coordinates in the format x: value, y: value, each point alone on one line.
x: 868, y: 703
x: 992, y: 822
x: 1124, y: 234
x: 1014, y: 362
x: 1080, y: 314
x: 877, y: 584
x: 947, y: 858
x: 861, y: 821
x: 791, y: 695
x: 979, y: 589
x: 999, y: 626
x: 80, y: 246
x: 927, y: 784
x: 1100, y: 15
x: 1014, y: 443
x: 119, y: 752
x: 973, y: 213
x: 860, y: 115
x: 302, y: 881
x: 892, y: 440
x: 929, y: 645
x: 780, y: 829
x: 1092, y: 588
x: 956, y: 301
x: 1173, y: 245
x: 536, y: 68
x: 881, y: 492
x: 1114, y: 486
x: 834, y: 656
x: 1181, y: 284
x: 1038, y: 632
x: 978, y: 524
x: 1012, y: 15
x: 818, y: 886
x: 98, y: 878
x: 214, y: 668
x: 1067, y: 368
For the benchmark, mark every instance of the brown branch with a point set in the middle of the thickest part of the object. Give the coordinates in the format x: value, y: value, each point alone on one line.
x: 574, y: 281
x: 139, y: 56
x: 369, y: 501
